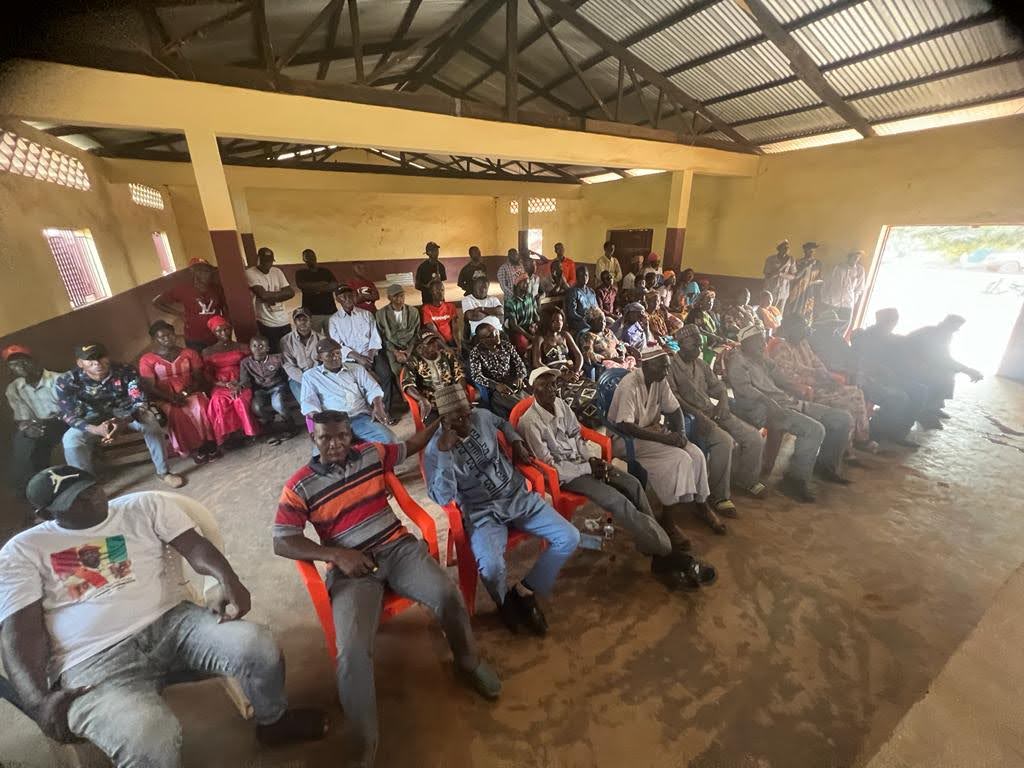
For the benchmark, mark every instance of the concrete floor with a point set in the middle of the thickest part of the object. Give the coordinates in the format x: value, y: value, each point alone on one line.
x: 827, y: 625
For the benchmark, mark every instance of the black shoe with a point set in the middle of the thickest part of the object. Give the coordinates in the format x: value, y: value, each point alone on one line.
x: 509, y: 612
x: 831, y: 476
x: 530, y: 614
x: 798, y: 490
x: 679, y: 571
x: 942, y: 414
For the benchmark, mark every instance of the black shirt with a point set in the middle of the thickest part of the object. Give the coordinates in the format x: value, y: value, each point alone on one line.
x: 467, y: 273
x: 427, y: 271
x: 317, y: 303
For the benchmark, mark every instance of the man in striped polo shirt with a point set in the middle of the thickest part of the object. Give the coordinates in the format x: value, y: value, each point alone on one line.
x: 342, y: 493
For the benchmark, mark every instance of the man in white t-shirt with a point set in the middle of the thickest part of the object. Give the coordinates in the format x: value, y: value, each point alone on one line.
x: 478, y: 307
x: 270, y: 288
x: 91, y: 630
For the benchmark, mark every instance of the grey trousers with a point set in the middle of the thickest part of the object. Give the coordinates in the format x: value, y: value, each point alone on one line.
x: 407, y: 569
x: 624, y: 497
x: 734, y: 454
x: 125, y: 715
x: 838, y: 430
x: 809, y: 436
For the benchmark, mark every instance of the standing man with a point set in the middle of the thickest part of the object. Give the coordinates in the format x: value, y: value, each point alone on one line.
x: 845, y: 286
x: 676, y: 468
x: 398, y: 325
x: 356, y: 331
x: 317, y: 285
x: 474, y: 269
x: 38, y: 426
x: 928, y: 361
x: 578, y: 300
x: 822, y: 434
x: 532, y: 279
x: 568, y: 265
x: 195, y: 300
x: 465, y: 464
x: 552, y: 433
x: 608, y: 263
x: 98, y: 400
x: 430, y: 270
x: 85, y: 600
x: 779, y: 271
x: 331, y: 386
x: 805, y: 290
x: 508, y: 272
x: 734, y: 447
x: 343, y: 494
x: 270, y: 288
x: 298, y: 349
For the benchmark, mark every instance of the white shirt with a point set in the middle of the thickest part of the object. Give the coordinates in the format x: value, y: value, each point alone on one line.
x: 273, y: 315
x: 98, y: 585
x: 34, y: 402
x: 845, y: 285
x: 356, y: 332
x: 488, y: 302
x: 351, y: 390
x: 635, y: 403
x: 555, y: 439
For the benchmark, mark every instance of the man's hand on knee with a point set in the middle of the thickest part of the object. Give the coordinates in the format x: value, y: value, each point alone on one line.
x: 52, y: 713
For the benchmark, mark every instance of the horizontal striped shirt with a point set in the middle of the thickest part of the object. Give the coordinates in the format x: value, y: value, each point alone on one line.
x: 346, y: 504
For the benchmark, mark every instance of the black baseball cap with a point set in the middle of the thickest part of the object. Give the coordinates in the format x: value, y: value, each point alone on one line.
x: 56, y: 488
x: 91, y: 350
x: 301, y: 311
x: 343, y: 288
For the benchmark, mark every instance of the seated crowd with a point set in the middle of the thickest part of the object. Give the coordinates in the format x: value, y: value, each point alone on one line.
x: 692, y: 399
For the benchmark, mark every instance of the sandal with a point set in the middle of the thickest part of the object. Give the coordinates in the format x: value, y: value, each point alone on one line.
x: 726, y: 508
x: 275, y: 440
x: 757, y: 489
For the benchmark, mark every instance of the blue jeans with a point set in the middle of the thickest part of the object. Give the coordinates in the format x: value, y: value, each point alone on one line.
x: 488, y: 538
x: 125, y: 715
x: 276, y: 400
x: 365, y: 428
x: 296, y: 388
x: 79, y: 446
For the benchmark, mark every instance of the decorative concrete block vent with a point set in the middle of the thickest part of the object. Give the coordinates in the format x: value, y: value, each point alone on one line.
x: 405, y: 279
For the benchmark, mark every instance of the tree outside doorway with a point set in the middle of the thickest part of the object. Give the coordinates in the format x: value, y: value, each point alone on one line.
x: 973, y: 271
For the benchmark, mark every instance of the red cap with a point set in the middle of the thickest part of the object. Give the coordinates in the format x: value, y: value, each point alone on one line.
x: 14, y: 349
x: 216, y: 322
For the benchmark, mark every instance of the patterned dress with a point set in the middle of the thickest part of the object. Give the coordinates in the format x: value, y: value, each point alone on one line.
x: 187, y: 425
x: 228, y: 413
x: 578, y: 395
x: 799, y: 364
x: 605, y: 349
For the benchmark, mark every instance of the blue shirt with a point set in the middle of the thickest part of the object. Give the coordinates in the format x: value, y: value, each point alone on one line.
x: 577, y: 301
x: 349, y: 390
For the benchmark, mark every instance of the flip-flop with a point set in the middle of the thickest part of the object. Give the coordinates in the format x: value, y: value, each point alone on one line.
x: 726, y: 508
x: 275, y: 440
x: 293, y: 726
x: 757, y: 489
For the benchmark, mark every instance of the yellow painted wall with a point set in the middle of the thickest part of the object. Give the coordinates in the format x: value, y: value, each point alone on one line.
x: 30, y: 287
x: 842, y: 196
x: 348, y: 226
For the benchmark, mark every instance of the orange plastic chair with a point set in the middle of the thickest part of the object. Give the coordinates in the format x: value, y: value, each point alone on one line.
x: 414, y: 406
x: 393, y: 604
x: 457, y: 538
x: 566, y: 502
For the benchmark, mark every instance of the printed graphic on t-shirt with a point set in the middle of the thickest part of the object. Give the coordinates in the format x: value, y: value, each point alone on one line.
x: 94, y: 568
x: 207, y: 306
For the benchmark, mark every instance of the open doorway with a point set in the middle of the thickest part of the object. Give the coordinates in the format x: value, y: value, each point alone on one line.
x: 630, y: 242
x: 974, y: 271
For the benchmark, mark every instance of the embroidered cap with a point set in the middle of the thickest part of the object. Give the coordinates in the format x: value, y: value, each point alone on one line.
x: 688, y: 331
x: 749, y: 332
x: 450, y: 399
x: 652, y: 353
x: 56, y: 488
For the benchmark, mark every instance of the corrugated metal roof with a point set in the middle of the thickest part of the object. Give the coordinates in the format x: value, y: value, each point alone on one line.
x: 950, y: 92
x: 942, y: 54
x: 768, y: 102
x: 875, y: 23
x: 790, y: 10
x: 621, y: 18
x: 757, y: 65
x: 463, y: 69
x: 814, y: 121
x: 710, y: 30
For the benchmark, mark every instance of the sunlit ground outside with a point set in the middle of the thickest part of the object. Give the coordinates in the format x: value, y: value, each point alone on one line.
x: 977, y: 272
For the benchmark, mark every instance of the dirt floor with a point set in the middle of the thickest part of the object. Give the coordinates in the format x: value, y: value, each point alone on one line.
x: 827, y: 625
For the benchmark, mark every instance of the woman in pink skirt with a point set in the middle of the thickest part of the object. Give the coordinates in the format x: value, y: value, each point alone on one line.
x: 172, y: 377
x: 229, y: 410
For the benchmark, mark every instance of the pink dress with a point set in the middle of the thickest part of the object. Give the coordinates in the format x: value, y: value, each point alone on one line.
x: 187, y: 425
x: 228, y: 414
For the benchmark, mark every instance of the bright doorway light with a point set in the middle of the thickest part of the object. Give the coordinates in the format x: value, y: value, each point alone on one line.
x: 974, y: 271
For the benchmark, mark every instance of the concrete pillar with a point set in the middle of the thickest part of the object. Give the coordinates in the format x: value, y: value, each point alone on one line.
x: 523, y: 241
x: 220, y: 220
x: 240, y: 206
x: 676, y: 217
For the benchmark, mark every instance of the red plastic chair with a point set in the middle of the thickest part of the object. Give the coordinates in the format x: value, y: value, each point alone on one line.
x: 393, y: 604
x: 566, y: 502
x: 414, y: 406
x: 457, y: 538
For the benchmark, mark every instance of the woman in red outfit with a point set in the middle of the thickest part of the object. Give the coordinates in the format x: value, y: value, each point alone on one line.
x: 229, y: 410
x: 173, y: 379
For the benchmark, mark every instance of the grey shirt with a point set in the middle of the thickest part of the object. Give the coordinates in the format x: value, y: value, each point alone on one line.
x: 694, y: 384
x: 751, y: 382
x: 299, y: 355
x: 555, y: 439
